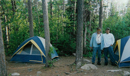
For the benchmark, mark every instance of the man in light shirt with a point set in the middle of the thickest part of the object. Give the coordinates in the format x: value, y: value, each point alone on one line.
x: 109, y: 40
x: 95, y: 44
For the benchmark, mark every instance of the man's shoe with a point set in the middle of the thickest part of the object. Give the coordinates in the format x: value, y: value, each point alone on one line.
x: 98, y: 63
x: 106, y: 64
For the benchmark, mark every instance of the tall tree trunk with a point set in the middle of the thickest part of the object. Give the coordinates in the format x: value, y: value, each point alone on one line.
x: 100, y: 14
x: 51, y: 13
x: 85, y: 32
x: 3, y: 71
x: 63, y: 6
x: 57, y: 35
x: 79, y: 36
x: 7, y: 34
x: 36, y: 2
x: 46, y: 29
x: 30, y: 18
x: 74, y: 16
x: 26, y: 7
x: 90, y: 24
x: 13, y: 6
x: 63, y: 24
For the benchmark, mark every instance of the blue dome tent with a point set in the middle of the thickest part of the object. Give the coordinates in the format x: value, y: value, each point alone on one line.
x: 122, y: 52
x: 32, y: 50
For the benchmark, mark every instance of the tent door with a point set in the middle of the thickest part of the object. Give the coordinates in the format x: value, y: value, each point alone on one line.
x: 35, y: 55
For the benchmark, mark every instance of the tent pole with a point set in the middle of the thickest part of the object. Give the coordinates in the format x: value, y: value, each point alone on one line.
x: 31, y: 49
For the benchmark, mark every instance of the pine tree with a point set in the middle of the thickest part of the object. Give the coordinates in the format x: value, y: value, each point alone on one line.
x: 79, y: 36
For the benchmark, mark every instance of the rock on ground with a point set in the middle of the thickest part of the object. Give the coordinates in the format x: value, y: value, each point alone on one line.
x: 114, y: 70
x: 89, y: 67
x: 15, y: 74
x: 39, y: 73
x: 126, y: 73
x: 86, y: 60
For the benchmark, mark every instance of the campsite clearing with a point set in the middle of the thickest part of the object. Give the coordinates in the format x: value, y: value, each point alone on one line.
x: 62, y: 68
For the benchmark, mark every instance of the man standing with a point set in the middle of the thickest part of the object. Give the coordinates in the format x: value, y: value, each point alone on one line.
x: 95, y: 43
x: 109, y: 40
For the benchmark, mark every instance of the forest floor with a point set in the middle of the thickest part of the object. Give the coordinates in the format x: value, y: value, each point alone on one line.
x: 62, y: 67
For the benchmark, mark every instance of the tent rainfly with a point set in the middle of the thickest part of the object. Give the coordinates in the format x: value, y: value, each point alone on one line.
x: 32, y: 50
x: 122, y: 52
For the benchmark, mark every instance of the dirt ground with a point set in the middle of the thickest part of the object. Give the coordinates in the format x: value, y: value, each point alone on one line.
x: 62, y: 68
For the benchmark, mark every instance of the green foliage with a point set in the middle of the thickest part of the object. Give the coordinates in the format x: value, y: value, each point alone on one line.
x: 62, y: 25
x: 119, y: 26
x: 51, y: 51
x: 50, y: 63
x: 9, y: 74
x: 66, y: 46
x: 18, y: 27
x: 88, y: 55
